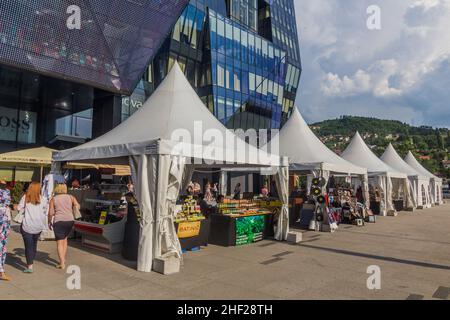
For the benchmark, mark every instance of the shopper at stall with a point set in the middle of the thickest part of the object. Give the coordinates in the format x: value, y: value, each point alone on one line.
x: 359, y: 195
x: 237, y: 192
x: 5, y: 226
x: 208, y: 193
x: 61, y: 220
x: 215, y: 190
x: 33, y: 207
x: 265, y: 191
x: 75, y: 184
x: 190, y: 189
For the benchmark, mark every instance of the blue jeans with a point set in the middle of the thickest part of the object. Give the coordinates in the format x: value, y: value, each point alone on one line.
x: 30, y: 241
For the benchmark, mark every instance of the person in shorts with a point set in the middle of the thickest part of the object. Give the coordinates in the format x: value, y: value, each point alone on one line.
x: 61, y: 220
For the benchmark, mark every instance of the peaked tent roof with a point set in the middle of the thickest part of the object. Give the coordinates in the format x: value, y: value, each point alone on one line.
x: 412, y: 161
x: 360, y: 154
x: 392, y: 158
x: 172, y: 114
x: 306, y: 151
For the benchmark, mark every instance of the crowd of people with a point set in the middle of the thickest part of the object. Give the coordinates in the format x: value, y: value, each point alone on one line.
x: 35, y: 215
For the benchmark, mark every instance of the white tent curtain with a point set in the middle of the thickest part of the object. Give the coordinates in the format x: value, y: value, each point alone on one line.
x: 157, y: 180
x: 389, y: 191
x: 409, y: 198
x: 422, y: 193
x: 326, y: 176
x: 144, y: 171
x: 380, y: 182
x: 437, y: 190
x: 309, y: 179
x: 223, y: 183
x: 365, y: 189
x: 412, y: 192
x: 282, y: 183
x: 171, y: 169
x: 187, y: 176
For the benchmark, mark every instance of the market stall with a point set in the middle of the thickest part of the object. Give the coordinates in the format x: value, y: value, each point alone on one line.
x: 192, y: 226
x: 104, y: 215
x: 240, y: 222
x: 382, y: 178
x: 164, y: 141
x: 415, y: 180
x: 309, y: 156
x: 434, y: 191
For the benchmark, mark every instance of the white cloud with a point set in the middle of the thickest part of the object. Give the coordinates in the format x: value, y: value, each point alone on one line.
x: 348, y: 68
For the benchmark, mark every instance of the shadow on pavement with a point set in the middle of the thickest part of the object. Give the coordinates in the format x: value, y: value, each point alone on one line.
x: 116, y: 257
x: 377, y: 257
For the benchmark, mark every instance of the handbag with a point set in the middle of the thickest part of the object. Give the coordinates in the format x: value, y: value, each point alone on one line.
x: 21, y: 215
x: 76, y: 212
x: 19, y: 218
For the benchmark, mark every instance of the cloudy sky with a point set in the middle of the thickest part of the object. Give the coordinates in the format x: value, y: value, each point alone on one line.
x: 400, y: 72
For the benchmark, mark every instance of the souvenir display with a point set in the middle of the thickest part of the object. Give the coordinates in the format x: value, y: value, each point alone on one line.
x: 191, y: 224
x: 190, y: 211
x: 102, y: 226
x: 240, y: 222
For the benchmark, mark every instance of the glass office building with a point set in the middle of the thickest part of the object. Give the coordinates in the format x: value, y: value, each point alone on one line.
x: 61, y: 85
x: 242, y: 56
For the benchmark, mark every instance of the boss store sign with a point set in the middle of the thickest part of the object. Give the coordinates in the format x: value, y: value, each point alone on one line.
x: 20, y: 126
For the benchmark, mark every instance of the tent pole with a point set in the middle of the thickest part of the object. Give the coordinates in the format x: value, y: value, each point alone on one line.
x: 41, y: 173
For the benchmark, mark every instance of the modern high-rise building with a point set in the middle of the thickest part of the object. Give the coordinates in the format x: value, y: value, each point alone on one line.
x: 242, y: 56
x: 72, y: 70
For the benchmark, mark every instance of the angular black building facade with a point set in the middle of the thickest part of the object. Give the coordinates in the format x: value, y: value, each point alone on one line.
x: 72, y: 70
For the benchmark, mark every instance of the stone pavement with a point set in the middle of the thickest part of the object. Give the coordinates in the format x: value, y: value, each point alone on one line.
x: 412, y: 250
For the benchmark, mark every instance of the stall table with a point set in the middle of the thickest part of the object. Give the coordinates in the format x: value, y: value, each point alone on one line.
x: 193, y: 234
x: 108, y: 237
x: 240, y: 229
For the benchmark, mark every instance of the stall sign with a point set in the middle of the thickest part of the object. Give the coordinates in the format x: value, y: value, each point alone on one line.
x: 249, y: 229
x: 20, y: 125
x: 189, y: 229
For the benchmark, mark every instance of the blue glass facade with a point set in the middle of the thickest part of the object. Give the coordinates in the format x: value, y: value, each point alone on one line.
x: 248, y: 75
x: 242, y: 56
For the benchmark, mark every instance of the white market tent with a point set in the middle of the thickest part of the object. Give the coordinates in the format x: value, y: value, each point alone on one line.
x: 436, y: 194
x: 169, y: 136
x: 383, y: 175
x: 307, y: 153
x: 416, y: 179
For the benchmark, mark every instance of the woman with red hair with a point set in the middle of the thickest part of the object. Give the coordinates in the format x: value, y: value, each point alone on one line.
x: 34, y: 209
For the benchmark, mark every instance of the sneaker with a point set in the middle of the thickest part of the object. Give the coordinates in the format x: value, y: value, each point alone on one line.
x: 28, y: 271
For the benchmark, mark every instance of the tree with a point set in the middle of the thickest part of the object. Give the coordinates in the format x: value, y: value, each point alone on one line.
x: 440, y: 140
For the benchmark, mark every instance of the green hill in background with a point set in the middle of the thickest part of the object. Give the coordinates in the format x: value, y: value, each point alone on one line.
x: 430, y: 145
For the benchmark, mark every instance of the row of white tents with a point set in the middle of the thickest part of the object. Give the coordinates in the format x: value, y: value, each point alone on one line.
x: 392, y: 175
x: 172, y: 135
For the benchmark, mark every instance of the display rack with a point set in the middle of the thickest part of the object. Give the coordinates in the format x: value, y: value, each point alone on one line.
x: 100, y: 235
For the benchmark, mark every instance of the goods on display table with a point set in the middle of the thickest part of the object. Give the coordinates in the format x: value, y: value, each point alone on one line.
x: 338, y: 206
x: 102, y: 226
x: 191, y: 225
x: 240, y: 222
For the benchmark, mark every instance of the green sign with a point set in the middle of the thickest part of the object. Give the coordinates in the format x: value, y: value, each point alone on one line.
x: 249, y: 229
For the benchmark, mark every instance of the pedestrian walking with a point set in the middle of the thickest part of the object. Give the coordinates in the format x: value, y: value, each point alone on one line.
x: 34, y: 209
x: 5, y: 227
x: 61, y: 220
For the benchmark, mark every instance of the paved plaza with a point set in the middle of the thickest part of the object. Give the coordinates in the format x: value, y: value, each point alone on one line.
x: 412, y: 251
